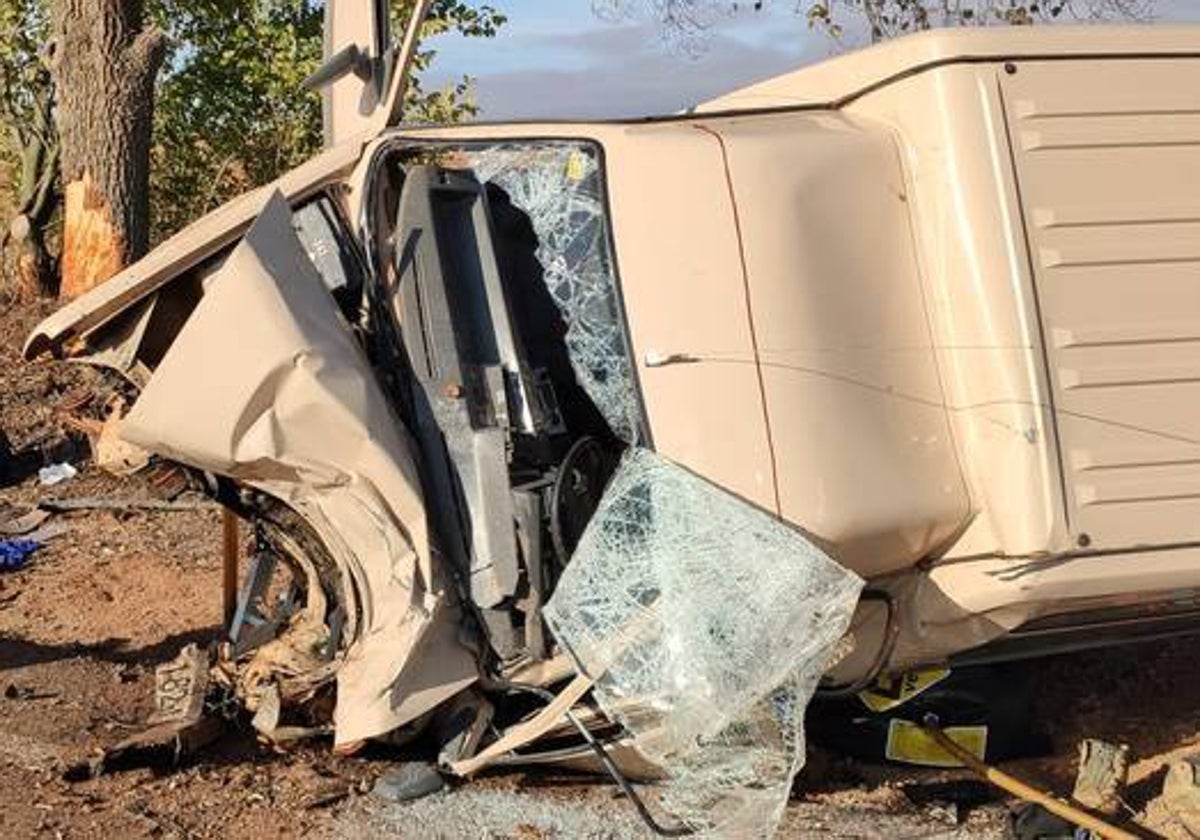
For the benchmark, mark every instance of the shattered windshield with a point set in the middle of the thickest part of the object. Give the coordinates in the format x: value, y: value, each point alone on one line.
x: 706, y: 624
x: 560, y: 187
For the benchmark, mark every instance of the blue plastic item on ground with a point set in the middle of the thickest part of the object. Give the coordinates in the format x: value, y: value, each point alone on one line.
x: 15, y: 553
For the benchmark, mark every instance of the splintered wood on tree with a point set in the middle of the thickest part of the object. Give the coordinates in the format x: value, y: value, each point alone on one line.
x: 104, y: 63
x: 93, y: 249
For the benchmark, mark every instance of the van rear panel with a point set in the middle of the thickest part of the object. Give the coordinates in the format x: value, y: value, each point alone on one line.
x: 1107, y: 160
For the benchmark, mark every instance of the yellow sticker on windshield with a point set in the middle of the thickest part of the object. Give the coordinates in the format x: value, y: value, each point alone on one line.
x: 576, y: 166
x: 889, y: 692
x: 911, y: 744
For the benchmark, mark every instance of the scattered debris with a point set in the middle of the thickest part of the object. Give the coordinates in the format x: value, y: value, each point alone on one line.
x: 180, y: 687
x: 111, y: 452
x: 1056, y: 807
x: 1103, y: 775
x: 24, y: 692
x: 56, y: 474
x: 14, y: 554
x: 179, y: 726
x: 952, y: 800
x: 91, y: 503
x: 17, y: 521
x: 408, y: 781
x: 25, y: 530
x: 1033, y: 822
x: 49, y: 531
x: 1181, y: 794
x: 327, y: 798
x: 167, y: 480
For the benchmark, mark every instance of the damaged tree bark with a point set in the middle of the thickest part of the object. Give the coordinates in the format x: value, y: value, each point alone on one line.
x: 105, y: 62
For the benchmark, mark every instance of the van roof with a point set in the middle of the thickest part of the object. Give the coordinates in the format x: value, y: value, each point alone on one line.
x: 839, y: 80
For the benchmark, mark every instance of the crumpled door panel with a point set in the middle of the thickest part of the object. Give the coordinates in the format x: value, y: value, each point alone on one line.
x: 265, y: 384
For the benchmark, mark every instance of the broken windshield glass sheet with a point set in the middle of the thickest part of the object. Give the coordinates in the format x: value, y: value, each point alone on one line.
x: 560, y: 187
x: 706, y: 624
x: 266, y: 385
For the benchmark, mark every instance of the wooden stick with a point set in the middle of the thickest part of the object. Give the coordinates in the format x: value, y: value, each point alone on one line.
x: 1025, y: 791
x: 89, y: 503
x: 231, y: 551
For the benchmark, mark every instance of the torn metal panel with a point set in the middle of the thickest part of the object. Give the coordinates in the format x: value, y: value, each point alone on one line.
x: 527, y: 731
x: 117, y: 347
x: 559, y: 186
x: 266, y: 385
x: 706, y: 624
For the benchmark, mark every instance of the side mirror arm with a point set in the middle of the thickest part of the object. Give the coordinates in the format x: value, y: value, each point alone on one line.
x: 348, y: 60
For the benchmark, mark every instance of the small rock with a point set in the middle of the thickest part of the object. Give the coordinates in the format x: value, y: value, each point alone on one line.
x: 944, y: 812
x: 410, y: 780
x: 1181, y: 793
x: 1102, y: 776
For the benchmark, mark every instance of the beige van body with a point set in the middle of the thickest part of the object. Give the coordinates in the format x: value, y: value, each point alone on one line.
x: 935, y: 303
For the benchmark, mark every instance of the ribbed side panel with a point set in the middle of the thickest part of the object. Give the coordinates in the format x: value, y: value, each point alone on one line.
x: 1107, y: 155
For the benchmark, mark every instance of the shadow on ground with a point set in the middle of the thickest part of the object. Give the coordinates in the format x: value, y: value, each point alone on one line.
x: 20, y: 653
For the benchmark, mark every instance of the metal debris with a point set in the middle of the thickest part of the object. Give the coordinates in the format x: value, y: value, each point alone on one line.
x: 178, y: 727
x: 95, y: 503
x: 17, y: 521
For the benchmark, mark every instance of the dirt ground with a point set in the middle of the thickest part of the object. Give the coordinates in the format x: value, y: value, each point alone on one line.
x: 83, y: 625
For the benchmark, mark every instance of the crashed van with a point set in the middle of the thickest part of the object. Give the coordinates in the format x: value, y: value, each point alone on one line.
x: 931, y: 308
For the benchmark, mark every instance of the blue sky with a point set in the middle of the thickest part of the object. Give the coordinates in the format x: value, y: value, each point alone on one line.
x: 557, y: 58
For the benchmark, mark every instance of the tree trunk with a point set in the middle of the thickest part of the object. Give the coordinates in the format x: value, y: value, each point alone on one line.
x: 36, y: 272
x: 105, y: 62
x: 33, y: 265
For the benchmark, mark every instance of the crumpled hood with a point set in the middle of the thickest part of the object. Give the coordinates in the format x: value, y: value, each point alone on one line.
x: 266, y: 385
